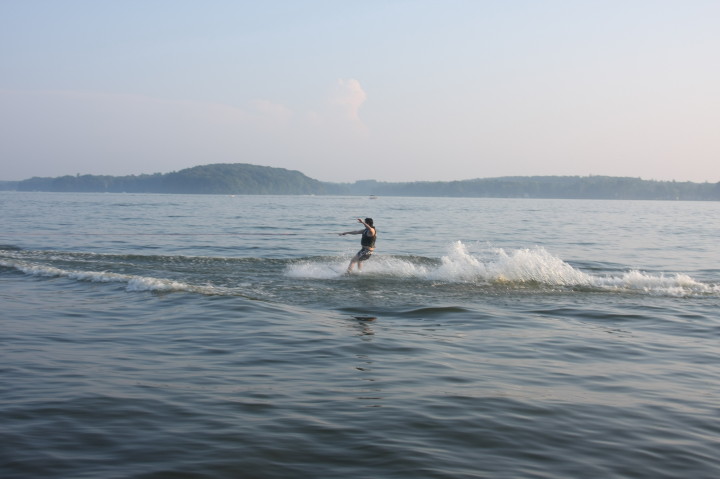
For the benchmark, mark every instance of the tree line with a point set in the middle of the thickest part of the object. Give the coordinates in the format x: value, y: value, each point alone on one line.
x: 571, y: 187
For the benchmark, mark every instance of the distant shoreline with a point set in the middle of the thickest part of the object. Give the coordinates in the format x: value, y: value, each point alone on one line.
x: 247, y: 179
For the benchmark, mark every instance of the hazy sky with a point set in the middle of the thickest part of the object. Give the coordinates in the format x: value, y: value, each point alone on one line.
x: 394, y: 90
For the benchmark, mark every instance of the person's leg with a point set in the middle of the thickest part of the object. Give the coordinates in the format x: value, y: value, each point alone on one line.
x: 362, y: 256
x: 353, y: 261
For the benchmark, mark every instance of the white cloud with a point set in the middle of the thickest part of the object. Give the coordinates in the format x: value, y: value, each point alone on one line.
x: 349, y: 96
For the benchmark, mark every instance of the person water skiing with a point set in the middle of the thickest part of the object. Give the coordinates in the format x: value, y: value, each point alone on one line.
x: 367, y: 241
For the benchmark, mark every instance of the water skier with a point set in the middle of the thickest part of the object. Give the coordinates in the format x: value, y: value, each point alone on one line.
x: 367, y: 241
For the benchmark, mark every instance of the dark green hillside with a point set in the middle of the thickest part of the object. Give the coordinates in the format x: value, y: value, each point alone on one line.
x: 240, y: 179
x: 236, y: 178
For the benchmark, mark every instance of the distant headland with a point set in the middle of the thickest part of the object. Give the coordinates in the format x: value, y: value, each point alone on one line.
x: 247, y: 179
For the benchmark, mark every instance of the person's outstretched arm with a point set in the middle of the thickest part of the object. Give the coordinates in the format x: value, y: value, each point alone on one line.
x: 358, y: 232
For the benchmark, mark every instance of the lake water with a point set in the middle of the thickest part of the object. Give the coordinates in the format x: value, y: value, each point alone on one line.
x: 217, y: 336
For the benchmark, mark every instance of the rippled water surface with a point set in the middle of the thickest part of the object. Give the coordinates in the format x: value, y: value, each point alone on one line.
x: 217, y: 336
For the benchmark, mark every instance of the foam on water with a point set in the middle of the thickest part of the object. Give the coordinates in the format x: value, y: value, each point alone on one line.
x: 496, y: 265
x: 316, y: 269
x: 487, y: 266
x: 132, y: 282
x: 673, y: 285
x: 519, y: 266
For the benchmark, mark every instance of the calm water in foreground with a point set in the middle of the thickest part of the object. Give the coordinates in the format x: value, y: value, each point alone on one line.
x: 181, y: 336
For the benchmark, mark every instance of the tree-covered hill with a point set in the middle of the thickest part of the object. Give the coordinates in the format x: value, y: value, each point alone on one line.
x: 236, y: 178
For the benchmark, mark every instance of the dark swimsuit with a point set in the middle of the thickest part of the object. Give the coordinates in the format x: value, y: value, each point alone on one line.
x: 366, y: 242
